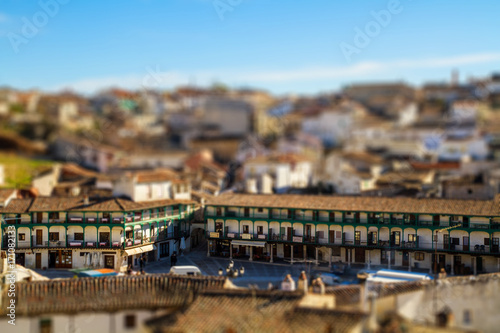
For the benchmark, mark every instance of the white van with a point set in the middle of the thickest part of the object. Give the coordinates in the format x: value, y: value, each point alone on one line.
x: 185, y: 270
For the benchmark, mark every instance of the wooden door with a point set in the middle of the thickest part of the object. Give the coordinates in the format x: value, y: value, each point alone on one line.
x: 289, y: 233
x: 109, y: 262
x: 406, y: 260
x: 39, y: 237
x: 359, y: 255
x: 39, y: 217
x: 308, y: 230
x: 332, y: 236
x: 286, y: 251
x: 38, y: 261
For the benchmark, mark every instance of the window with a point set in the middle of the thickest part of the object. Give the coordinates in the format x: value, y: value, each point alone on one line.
x: 53, y: 236
x: 246, y: 229
x: 246, y: 211
x: 412, y: 238
x: 104, y: 237
x: 419, y: 256
x: 130, y: 321
x: 45, y: 326
x: 164, y: 250
x: 53, y: 215
x: 260, y: 230
x: 129, y: 234
x: 260, y: 210
x: 467, y: 317
x: 22, y: 237
x: 357, y: 237
x: 78, y: 236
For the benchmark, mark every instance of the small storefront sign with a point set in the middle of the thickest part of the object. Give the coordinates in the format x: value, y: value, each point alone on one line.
x: 214, y: 235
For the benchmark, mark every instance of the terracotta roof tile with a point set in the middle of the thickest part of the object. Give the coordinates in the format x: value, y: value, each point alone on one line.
x: 63, y: 204
x: 362, y: 204
x: 108, y: 294
x: 5, y: 193
x: 17, y: 206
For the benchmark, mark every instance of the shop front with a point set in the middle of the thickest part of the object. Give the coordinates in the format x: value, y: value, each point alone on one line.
x: 61, y: 259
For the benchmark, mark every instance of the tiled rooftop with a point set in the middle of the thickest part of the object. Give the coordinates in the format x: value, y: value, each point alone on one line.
x: 362, y: 204
x: 108, y: 294
x: 55, y: 204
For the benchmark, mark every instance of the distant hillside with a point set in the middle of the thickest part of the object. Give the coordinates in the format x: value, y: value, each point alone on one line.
x: 19, y: 171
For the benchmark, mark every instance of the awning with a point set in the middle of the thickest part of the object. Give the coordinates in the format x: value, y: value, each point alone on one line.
x: 248, y: 243
x: 141, y: 249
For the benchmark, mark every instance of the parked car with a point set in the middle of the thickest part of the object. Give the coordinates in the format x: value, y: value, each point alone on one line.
x: 185, y: 270
x: 338, y: 268
x: 329, y: 279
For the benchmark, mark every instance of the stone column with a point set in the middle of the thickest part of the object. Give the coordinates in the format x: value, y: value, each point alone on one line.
x: 348, y: 257
x: 271, y: 252
x: 208, y: 249
x: 251, y: 254
x: 330, y: 257
x: 304, y: 248
x: 389, y: 259
x: 230, y: 250
x: 409, y: 261
x: 474, y: 263
x: 317, y: 250
x: 291, y: 254
x: 452, y: 270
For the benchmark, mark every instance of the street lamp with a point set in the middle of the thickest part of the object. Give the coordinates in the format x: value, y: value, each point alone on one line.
x: 242, y: 270
x: 435, y: 244
x: 220, y: 271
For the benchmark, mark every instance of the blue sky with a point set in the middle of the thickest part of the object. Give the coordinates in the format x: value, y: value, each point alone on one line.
x: 282, y: 46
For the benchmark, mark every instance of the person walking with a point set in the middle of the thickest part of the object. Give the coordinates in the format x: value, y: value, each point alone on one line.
x: 141, y: 262
x: 173, y: 259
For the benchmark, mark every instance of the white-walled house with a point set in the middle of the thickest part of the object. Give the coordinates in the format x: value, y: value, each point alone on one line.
x: 151, y: 185
x: 352, y: 172
x: 286, y: 171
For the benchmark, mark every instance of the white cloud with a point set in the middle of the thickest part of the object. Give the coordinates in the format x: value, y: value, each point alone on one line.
x: 169, y: 79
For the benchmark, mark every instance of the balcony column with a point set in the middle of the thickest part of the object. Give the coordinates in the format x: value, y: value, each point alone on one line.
x: 230, y: 250
x: 369, y: 259
x: 31, y: 238
x: 389, y: 259
x: 98, y: 245
x: 251, y: 254
x: 317, y: 250
x: 66, y: 230
x: 291, y: 254
x: 304, y: 248
x: 474, y: 263
x: 452, y: 272
x: 273, y: 251
x: 329, y: 257
x: 348, y: 257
